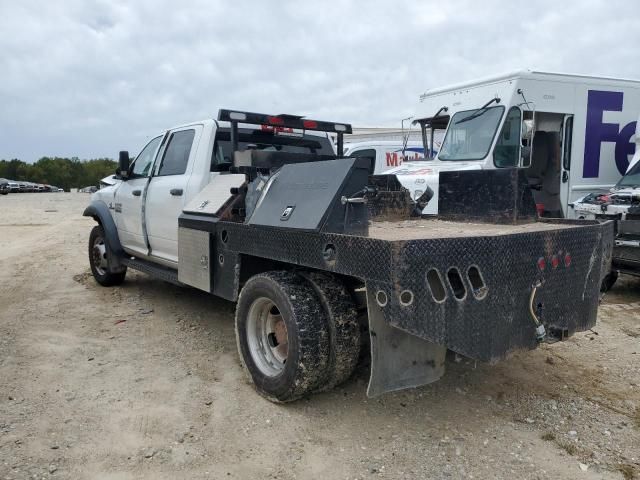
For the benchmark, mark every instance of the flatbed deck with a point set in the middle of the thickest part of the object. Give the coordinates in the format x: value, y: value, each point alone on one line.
x: 424, y: 229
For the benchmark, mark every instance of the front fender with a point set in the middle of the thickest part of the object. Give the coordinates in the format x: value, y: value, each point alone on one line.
x: 99, y: 211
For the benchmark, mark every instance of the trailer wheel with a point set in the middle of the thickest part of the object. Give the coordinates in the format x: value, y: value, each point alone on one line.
x: 344, y: 328
x: 98, y: 259
x: 609, y: 281
x: 282, y: 335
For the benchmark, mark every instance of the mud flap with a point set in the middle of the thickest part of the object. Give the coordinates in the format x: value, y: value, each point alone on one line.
x: 399, y: 360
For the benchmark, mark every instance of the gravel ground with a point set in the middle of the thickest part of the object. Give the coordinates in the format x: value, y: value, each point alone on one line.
x: 143, y: 381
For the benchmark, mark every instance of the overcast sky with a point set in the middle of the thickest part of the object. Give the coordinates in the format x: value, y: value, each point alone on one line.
x: 88, y: 78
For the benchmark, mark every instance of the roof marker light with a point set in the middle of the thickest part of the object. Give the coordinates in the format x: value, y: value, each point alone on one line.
x: 276, y: 120
x: 310, y: 124
x: 340, y: 128
x: 237, y: 116
x: 542, y: 264
x: 555, y: 261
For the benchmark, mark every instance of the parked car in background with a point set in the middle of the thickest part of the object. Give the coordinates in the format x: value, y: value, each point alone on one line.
x: 4, y: 186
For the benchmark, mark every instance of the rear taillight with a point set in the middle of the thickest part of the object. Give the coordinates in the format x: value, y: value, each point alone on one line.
x: 567, y: 260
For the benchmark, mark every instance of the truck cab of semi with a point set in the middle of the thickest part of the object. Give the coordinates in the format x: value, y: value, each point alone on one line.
x: 571, y: 134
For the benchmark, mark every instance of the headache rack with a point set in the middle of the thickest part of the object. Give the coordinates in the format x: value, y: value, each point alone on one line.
x: 282, y: 121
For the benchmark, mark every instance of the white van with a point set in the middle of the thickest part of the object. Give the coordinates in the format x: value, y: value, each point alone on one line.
x: 574, y: 134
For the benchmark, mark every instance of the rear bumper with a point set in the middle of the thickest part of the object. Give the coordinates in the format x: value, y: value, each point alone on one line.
x: 626, y: 252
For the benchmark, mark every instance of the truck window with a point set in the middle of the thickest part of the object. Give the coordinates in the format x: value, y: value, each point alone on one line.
x: 176, y: 156
x: 366, y: 153
x: 507, y: 150
x: 265, y: 140
x: 369, y: 153
x: 144, y: 160
x: 471, y: 134
x: 631, y: 178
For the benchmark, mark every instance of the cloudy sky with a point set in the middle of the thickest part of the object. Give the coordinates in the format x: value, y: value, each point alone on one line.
x: 88, y: 78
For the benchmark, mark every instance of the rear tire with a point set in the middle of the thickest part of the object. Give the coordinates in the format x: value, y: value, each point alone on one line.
x: 282, y: 335
x: 344, y: 328
x: 99, y: 254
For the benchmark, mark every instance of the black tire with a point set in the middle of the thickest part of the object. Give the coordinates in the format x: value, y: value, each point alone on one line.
x: 344, y: 328
x: 307, y: 335
x: 609, y: 281
x: 102, y: 274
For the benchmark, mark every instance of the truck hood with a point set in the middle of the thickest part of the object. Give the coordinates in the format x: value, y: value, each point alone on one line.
x: 619, y: 201
x: 417, y: 176
x: 108, y: 181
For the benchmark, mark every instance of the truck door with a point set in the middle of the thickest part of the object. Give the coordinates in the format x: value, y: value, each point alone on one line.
x: 128, y: 199
x: 167, y: 192
x: 565, y: 185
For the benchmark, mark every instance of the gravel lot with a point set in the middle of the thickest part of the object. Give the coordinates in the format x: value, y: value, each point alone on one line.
x: 143, y: 381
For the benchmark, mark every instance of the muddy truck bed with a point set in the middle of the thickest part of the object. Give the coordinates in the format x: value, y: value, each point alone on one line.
x: 433, y: 228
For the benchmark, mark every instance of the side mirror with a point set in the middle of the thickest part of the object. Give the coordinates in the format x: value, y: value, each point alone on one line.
x: 124, y: 162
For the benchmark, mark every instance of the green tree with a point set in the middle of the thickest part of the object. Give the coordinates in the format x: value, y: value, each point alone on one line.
x: 66, y: 173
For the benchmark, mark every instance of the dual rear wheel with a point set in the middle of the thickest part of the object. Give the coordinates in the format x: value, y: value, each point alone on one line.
x: 296, y: 333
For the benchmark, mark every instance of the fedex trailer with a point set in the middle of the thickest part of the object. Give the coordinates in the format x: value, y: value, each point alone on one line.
x: 573, y: 134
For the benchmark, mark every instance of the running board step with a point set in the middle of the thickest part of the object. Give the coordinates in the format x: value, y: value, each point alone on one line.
x: 154, y: 270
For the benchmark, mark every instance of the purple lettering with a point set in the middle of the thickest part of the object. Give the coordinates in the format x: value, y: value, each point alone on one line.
x: 624, y: 147
x: 596, y: 132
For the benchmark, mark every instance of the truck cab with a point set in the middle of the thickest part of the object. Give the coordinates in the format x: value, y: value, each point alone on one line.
x: 146, y: 199
x: 572, y: 134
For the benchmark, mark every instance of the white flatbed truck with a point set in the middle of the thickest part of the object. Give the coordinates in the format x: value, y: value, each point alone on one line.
x: 258, y: 209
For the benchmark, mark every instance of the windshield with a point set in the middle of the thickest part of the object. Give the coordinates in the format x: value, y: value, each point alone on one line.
x: 632, y: 178
x: 471, y: 134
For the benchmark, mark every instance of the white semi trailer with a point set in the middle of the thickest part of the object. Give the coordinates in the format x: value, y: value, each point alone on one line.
x: 574, y: 134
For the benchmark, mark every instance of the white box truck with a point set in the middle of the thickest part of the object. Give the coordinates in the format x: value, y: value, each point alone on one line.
x: 574, y: 134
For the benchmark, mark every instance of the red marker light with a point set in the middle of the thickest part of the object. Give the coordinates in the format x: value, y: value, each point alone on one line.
x: 567, y: 260
x: 309, y: 124
x: 275, y: 120
x: 542, y: 264
x: 555, y: 261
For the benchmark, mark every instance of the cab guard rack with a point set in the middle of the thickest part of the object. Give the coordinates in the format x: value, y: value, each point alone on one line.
x: 282, y: 121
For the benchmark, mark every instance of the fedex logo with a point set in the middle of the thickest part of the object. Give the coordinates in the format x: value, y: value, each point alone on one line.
x: 597, y: 131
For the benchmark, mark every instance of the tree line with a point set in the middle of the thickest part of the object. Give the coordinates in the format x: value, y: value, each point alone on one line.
x: 65, y: 173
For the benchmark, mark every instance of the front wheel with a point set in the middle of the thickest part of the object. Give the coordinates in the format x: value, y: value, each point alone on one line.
x: 99, y: 260
x: 282, y: 335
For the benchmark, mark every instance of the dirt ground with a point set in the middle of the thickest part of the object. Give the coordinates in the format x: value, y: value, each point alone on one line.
x: 143, y: 381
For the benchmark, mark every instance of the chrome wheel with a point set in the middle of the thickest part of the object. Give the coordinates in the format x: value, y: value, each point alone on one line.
x: 267, y: 337
x: 99, y: 255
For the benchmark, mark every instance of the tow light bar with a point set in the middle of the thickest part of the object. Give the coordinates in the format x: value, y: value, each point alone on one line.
x: 284, y: 121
